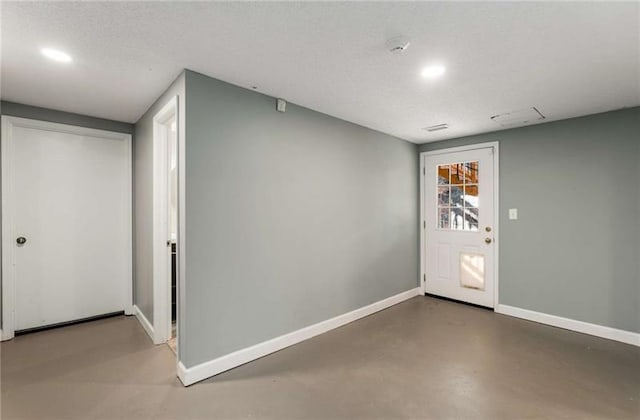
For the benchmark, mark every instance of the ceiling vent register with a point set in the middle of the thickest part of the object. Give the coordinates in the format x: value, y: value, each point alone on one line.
x: 436, y: 127
x: 521, y: 117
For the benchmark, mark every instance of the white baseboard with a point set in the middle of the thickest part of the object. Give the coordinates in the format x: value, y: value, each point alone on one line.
x: 213, y: 367
x: 623, y: 336
x: 148, y: 327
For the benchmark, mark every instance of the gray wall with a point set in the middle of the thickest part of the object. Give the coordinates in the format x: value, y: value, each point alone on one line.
x: 574, y: 252
x: 143, y: 196
x: 291, y: 218
x: 44, y: 114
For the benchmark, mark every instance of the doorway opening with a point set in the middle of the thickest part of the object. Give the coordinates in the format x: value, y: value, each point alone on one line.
x: 459, y: 211
x: 173, y: 225
x: 66, y: 224
x: 165, y: 225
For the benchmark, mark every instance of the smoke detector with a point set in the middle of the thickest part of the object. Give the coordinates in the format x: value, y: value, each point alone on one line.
x: 398, y: 44
x: 437, y: 127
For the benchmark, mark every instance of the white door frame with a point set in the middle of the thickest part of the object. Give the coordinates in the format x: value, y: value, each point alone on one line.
x: 161, y: 249
x: 495, y: 146
x: 8, y: 198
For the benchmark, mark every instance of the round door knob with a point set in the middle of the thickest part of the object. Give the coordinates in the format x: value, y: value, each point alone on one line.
x: 487, y: 240
x: 21, y: 240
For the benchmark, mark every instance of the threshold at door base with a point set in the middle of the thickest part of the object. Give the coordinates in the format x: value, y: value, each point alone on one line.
x: 68, y: 323
x: 458, y: 301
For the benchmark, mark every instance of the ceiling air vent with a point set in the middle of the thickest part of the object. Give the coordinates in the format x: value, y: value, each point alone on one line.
x: 521, y: 117
x: 437, y: 127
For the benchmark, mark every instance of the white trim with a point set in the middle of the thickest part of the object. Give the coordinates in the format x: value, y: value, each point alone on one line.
x: 143, y: 321
x: 615, y: 334
x: 64, y: 128
x: 8, y: 197
x: 495, y: 146
x: 422, y: 281
x: 466, y: 148
x: 181, y: 334
x: 496, y: 223
x: 213, y: 367
x: 128, y: 309
x: 161, y: 252
x: 186, y: 375
x: 8, y: 256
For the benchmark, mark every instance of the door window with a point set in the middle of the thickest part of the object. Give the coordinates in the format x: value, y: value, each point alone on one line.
x: 458, y: 203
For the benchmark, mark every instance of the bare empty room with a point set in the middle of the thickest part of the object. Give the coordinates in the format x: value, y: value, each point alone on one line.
x: 320, y: 210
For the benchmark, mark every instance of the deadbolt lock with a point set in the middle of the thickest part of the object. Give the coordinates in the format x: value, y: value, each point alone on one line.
x: 21, y: 240
x: 488, y: 228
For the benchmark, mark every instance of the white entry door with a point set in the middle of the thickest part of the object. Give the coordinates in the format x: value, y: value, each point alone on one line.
x: 66, y: 223
x: 459, y: 224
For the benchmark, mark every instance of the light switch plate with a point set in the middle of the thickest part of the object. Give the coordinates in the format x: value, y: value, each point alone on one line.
x: 513, y: 214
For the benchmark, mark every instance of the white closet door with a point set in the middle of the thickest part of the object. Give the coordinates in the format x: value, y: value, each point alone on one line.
x: 70, y: 192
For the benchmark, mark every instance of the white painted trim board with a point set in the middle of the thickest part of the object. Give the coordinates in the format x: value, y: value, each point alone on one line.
x: 610, y: 333
x: 160, y: 235
x: 144, y: 321
x: 213, y: 367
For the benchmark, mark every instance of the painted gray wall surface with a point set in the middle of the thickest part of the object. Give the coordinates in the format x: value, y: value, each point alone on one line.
x: 43, y: 114
x: 143, y: 197
x: 292, y: 218
x: 574, y: 252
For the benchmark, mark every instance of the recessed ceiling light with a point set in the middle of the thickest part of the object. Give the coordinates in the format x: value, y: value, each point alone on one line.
x: 432, y: 72
x: 56, y: 55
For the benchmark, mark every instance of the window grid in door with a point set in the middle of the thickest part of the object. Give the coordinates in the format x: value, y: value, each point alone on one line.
x: 458, y: 204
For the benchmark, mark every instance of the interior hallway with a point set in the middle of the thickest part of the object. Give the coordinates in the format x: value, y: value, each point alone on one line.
x: 424, y: 358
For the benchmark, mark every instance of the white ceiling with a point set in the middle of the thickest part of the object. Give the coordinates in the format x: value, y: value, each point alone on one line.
x: 566, y: 59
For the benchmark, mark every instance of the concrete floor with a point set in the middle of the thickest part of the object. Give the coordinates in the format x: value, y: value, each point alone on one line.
x: 424, y: 358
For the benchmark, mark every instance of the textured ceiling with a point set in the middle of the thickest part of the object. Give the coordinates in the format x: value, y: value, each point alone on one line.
x: 565, y: 59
